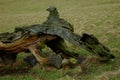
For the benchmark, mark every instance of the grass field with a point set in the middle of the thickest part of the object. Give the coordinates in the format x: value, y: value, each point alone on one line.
x: 98, y: 17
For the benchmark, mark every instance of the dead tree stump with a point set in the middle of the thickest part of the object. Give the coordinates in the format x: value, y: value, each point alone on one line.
x: 52, y: 33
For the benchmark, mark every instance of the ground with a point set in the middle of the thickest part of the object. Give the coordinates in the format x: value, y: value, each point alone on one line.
x: 98, y: 17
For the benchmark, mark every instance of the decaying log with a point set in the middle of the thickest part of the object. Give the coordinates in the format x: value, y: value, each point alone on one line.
x: 52, y: 33
x: 89, y: 42
x: 24, y: 44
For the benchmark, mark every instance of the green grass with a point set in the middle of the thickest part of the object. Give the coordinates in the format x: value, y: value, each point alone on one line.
x: 98, y: 17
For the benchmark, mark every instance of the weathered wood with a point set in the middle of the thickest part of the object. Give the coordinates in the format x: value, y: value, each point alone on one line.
x: 89, y: 42
x: 23, y: 45
x: 54, y: 20
x: 52, y: 32
x: 59, y: 47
